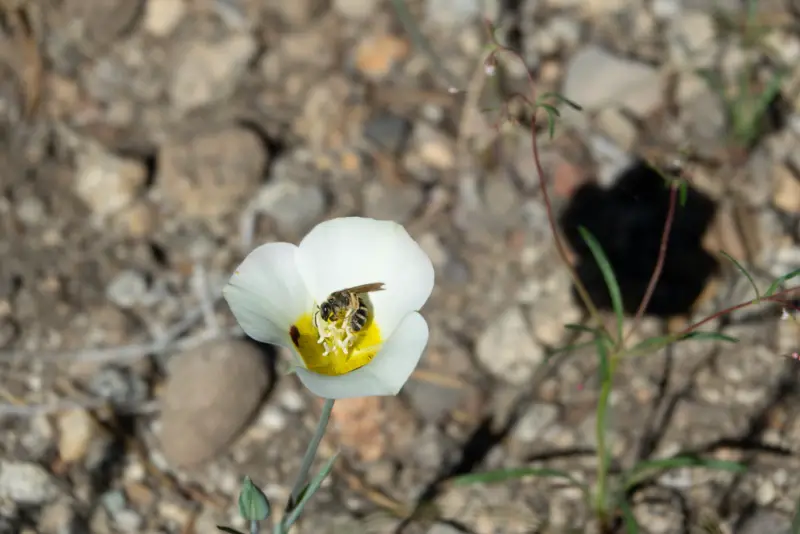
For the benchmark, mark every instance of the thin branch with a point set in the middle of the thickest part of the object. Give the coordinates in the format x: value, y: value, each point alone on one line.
x: 662, y: 254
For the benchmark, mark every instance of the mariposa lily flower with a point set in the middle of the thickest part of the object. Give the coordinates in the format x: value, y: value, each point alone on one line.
x: 357, y: 343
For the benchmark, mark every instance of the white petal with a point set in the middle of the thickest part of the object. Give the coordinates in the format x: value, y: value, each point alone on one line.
x: 384, y: 375
x: 267, y: 294
x: 352, y: 251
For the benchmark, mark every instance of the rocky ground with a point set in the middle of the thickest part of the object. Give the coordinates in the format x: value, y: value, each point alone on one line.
x: 147, y: 145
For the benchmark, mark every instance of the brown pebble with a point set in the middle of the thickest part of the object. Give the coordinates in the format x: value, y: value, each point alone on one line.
x: 211, y: 394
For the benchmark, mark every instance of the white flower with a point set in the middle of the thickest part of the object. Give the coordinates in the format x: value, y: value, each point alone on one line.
x: 277, y: 291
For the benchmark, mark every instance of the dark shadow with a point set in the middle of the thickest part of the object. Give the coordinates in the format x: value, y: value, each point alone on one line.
x: 560, y: 454
x: 628, y: 221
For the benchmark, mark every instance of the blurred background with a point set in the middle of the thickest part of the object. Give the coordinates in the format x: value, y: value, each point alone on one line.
x: 147, y: 145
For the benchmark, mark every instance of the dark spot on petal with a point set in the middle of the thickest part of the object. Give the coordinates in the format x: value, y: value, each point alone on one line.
x: 294, y: 333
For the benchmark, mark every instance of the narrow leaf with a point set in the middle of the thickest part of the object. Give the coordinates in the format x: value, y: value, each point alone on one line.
x: 229, y: 530
x: 312, y: 488
x: 608, y: 275
x: 631, y: 526
x: 502, y: 475
x: 780, y: 281
x: 744, y: 271
x: 561, y: 98
x: 595, y: 331
x: 647, y: 468
x: 550, y: 108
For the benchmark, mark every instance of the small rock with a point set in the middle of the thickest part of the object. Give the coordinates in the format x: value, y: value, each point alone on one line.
x: 393, y: 202
x: 105, y: 182
x: 666, y: 9
x: 531, y: 426
x: 453, y: 13
x: 26, y: 483
x: 355, y: 9
x: 163, y: 16
x: 137, y: 220
x: 60, y: 518
x: 31, y: 211
x: 596, y: 78
x: 376, y: 56
x: 705, y: 121
x: 292, y: 401
x: 119, y: 385
x: 786, y: 187
x: 507, y: 349
x: 211, y: 393
x: 765, y: 520
x: 213, y: 173
x: 611, y: 159
x: 127, y: 288
x: 300, y: 12
x: 128, y: 521
x: 435, y: 249
x: 294, y: 207
x: 617, y: 127
x: 209, y: 72
x: 76, y: 430
x: 388, y: 132
x: 441, y: 528
x: 435, y: 149
x: 691, y: 38
x: 432, y: 401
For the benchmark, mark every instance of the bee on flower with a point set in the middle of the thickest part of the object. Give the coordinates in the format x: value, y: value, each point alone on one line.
x: 345, y: 302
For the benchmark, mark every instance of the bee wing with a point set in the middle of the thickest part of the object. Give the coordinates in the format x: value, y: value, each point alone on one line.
x: 365, y: 288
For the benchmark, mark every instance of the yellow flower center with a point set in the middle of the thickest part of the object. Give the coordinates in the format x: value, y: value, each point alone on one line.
x: 332, y: 349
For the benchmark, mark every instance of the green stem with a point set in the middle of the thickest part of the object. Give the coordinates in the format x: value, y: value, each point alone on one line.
x: 311, y: 453
x: 601, y: 500
x: 254, y: 527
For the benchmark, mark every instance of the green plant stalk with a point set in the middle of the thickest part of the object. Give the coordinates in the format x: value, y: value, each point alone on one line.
x: 254, y: 529
x: 311, y: 453
x: 601, y: 492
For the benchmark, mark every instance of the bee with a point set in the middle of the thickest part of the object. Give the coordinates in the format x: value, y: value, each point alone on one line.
x: 349, y: 304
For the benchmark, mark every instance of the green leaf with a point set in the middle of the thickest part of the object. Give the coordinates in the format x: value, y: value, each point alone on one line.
x: 647, y: 468
x: 253, y: 504
x: 631, y: 526
x: 608, y: 275
x: 552, y: 113
x: 502, y: 475
x: 229, y: 530
x: 683, y: 191
x: 651, y: 344
x: 560, y: 98
x: 744, y: 271
x: 780, y: 281
x: 766, y: 97
x: 312, y: 488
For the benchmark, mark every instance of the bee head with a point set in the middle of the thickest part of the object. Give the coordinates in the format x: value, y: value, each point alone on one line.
x: 326, y: 311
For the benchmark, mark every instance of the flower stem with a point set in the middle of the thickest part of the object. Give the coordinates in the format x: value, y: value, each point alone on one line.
x: 254, y: 527
x: 311, y: 453
x: 601, y: 499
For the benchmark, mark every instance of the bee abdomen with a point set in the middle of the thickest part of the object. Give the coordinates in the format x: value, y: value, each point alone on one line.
x: 360, y: 316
